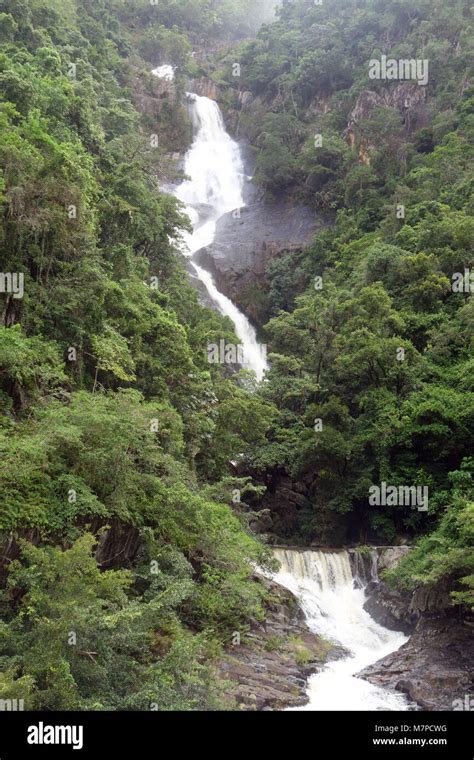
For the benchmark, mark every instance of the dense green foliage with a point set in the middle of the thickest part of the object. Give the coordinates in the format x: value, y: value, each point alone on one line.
x: 374, y: 281
x: 446, y: 555
x: 112, y: 418
x: 127, y: 560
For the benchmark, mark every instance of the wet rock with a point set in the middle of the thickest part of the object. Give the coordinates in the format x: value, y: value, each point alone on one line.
x: 248, y: 238
x: 364, y: 565
x: 434, y: 668
x: 390, y: 556
x: 205, y: 88
x: 390, y: 608
x: 269, y: 670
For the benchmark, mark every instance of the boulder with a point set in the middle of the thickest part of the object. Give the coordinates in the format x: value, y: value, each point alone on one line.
x: 270, y: 668
x: 434, y: 667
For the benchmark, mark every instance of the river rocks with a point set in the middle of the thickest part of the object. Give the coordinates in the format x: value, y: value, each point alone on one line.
x: 434, y: 667
x: 390, y: 608
x: 270, y: 668
x: 398, y: 610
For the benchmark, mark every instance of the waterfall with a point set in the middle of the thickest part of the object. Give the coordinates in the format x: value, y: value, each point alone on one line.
x: 333, y: 606
x: 214, y: 187
x: 364, y: 566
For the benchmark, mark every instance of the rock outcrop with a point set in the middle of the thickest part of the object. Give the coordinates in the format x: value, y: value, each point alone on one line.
x: 284, y: 503
x: 390, y: 608
x: 434, y: 667
x: 269, y: 669
x: 406, y: 97
x: 151, y: 93
x: 248, y: 238
x: 204, y: 87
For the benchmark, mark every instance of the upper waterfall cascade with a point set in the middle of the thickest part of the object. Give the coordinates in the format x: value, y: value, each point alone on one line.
x: 333, y: 605
x: 214, y: 187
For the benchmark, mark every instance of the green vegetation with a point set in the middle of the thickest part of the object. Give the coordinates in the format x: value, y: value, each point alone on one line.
x: 122, y: 578
x: 367, y: 333
x: 302, y: 654
x: 446, y: 554
x: 127, y: 563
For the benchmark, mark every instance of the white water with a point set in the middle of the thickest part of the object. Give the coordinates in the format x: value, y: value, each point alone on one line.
x: 216, y: 178
x: 323, y: 583
x: 164, y: 72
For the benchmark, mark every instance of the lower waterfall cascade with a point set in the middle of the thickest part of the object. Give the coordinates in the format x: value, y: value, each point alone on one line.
x: 332, y: 601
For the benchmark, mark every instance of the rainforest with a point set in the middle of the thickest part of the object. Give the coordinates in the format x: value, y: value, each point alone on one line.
x: 236, y: 303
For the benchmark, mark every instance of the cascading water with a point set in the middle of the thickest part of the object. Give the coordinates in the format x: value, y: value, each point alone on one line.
x: 333, y: 606
x: 216, y: 177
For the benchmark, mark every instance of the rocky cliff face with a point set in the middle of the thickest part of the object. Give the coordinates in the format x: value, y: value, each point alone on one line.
x: 151, y: 92
x: 117, y: 545
x: 434, y: 667
x: 390, y: 608
x: 161, y: 102
x: 204, y: 87
x: 249, y: 237
x: 285, y: 502
x: 407, y: 98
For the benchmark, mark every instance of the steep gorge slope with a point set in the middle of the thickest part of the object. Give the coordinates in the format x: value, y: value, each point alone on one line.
x: 124, y: 568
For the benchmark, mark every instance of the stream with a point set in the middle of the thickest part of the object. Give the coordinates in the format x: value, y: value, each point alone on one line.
x: 213, y: 187
x: 322, y: 581
x: 332, y: 601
